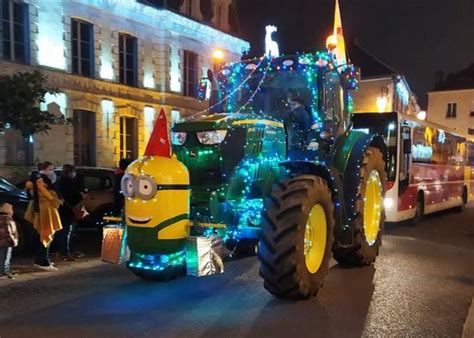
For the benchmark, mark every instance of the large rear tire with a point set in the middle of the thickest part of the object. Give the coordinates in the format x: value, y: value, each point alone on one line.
x: 369, y: 216
x: 297, y: 236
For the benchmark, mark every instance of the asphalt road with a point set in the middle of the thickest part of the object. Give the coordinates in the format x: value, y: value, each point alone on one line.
x: 421, y: 286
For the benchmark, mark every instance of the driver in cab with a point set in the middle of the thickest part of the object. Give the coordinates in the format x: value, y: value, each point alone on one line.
x: 298, y: 124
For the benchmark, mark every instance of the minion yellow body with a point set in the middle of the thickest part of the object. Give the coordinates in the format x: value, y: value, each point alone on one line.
x: 157, y: 196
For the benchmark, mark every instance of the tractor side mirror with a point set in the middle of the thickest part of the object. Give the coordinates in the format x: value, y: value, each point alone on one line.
x: 204, y: 89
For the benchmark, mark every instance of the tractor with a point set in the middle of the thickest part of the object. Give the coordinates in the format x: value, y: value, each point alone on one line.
x: 294, y: 208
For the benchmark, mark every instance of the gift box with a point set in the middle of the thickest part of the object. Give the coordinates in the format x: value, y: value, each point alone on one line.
x: 204, y: 255
x: 114, y: 249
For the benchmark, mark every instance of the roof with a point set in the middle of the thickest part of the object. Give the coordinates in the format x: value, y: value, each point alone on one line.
x: 370, y: 66
x: 461, y: 80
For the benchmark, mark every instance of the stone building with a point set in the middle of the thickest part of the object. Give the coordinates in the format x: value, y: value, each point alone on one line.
x: 382, y: 89
x: 118, y: 63
x: 451, y: 102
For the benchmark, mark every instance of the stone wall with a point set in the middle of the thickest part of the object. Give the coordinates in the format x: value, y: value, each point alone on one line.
x: 162, y: 38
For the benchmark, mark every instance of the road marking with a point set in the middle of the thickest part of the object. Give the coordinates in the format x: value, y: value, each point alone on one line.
x: 468, y: 331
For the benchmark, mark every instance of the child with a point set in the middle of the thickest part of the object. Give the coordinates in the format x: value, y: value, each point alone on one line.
x: 8, y: 239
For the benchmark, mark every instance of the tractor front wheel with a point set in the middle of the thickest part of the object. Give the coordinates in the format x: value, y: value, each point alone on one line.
x: 297, y: 235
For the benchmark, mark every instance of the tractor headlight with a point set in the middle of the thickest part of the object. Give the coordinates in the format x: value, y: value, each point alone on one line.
x: 178, y: 138
x: 211, y: 137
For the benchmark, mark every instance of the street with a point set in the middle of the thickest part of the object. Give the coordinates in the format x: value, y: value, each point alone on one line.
x: 421, y: 285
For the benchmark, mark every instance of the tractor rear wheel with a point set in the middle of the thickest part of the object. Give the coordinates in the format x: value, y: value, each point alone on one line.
x: 368, y: 214
x: 297, y: 235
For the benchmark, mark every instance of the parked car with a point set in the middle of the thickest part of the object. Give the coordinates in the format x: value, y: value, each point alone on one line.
x: 19, y: 199
x: 97, y: 186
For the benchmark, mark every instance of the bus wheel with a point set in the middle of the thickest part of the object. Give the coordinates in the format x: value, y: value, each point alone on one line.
x: 463, y: 201
x: 419, y: 209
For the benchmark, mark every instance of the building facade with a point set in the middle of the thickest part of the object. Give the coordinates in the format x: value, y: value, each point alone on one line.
x: 117, y: 63
x: 382, y: 89
x: 451, y: 103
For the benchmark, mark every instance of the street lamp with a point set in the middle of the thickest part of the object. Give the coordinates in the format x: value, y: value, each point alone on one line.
x: 217, y: 59
x: 421, y: 115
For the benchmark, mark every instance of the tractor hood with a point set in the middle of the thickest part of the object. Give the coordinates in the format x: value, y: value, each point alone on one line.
x: 204, y: 123
x: 224, y: 121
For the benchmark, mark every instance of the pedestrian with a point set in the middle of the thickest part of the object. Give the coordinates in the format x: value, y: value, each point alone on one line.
x: 43, y: 213
x: 8, y: 239
x: 118, y: 175
x: 70, y: 191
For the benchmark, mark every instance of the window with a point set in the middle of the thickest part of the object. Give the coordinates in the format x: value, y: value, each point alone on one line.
x: 128, y: 59
x: 82, y: 48
x: 470, y: 131
x: 219, y: 16
x: 189, y: 7
x: 469, y: 154
x: 15, y: 26
x: 93, y: 183
x: 128, y: 138
x: 333, y: 101
x: 451, y: 110
x: 471, y: 111
x: 84, y: 136
x: 190, y: 75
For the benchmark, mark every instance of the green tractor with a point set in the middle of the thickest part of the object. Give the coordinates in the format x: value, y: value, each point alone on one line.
x: 295, y: 207
x: 301, y: 206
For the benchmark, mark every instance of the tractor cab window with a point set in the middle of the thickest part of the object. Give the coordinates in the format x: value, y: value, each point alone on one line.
x: 267, y: 95
x: 333, y: 99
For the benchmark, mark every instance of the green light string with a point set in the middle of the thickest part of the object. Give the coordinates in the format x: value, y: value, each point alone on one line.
x: 203, y: 112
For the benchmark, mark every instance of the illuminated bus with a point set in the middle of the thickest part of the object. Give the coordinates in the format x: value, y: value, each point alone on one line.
x: 429, y: 167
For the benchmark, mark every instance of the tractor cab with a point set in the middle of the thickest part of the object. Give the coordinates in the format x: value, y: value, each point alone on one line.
x: 264, y: 87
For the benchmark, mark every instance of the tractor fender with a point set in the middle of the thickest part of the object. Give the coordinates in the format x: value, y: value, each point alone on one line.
x: 348, y: 157
x: 355, y: 144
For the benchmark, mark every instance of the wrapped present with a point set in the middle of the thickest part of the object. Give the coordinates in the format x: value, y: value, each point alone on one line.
x: 204, y: 255
x: 114, y: 248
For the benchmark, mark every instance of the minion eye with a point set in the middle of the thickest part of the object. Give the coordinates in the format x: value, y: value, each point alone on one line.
x: 127, y: 186
x: 146, y: 187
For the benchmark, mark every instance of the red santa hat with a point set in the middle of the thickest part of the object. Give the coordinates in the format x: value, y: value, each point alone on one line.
x: 159, y: 143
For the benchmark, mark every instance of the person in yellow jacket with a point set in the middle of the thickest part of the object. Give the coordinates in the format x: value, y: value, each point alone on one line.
x: 43, y: 213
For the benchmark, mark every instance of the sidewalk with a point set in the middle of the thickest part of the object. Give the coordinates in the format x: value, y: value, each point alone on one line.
x: 25, y: 270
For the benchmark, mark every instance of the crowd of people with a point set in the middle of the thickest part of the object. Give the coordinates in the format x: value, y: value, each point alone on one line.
x: 54, y: 208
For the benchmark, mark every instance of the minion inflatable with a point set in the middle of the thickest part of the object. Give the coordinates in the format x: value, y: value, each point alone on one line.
x: 157, y: 192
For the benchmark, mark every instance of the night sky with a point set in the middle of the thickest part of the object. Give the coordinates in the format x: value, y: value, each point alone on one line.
x: 415, y: 37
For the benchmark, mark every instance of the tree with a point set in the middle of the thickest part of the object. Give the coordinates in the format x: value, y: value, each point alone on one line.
x: 20, y: 98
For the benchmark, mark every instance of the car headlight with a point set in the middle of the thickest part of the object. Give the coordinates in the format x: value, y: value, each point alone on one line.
x: 211, y: 137
x: 178, y: 138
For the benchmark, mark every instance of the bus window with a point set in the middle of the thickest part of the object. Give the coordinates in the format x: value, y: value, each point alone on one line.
x: 405, y: 151
x: 422, y: 148
x: 469, y: 153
